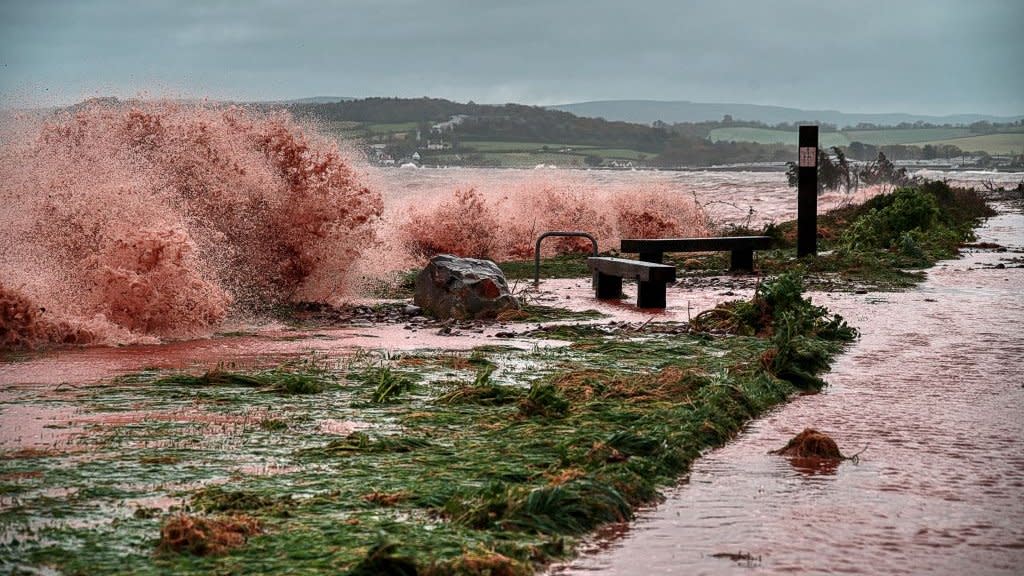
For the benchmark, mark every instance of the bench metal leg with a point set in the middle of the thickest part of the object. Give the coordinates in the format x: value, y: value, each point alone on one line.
x: 741, y: 261
x: 655, y: 257
x: 650, y: 295
x: 608, y: 286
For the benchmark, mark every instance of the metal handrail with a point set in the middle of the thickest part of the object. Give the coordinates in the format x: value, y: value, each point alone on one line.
x: 536, y: 250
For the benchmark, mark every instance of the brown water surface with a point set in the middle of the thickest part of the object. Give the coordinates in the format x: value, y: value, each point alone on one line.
x: 933, y: 393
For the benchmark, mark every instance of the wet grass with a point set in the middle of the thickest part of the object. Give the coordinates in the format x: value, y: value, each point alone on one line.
x: 540, y: 313
x: 482, y: 390
x: 564, y: 266
x: 388, y: 385
x: 461, y: 463
x: 304, y: 376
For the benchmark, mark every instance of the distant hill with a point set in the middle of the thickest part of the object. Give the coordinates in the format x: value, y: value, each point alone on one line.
x: 316, y: 100
x: 648, y: 111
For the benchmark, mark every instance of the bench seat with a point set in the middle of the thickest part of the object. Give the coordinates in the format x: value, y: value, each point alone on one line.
x: 651, y: 278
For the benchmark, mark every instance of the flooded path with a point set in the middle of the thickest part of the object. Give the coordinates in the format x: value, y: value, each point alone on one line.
x: 933, y: 391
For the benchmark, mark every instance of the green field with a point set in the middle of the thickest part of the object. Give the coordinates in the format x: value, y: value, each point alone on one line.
x: 390, y: 128
x: 511, y: 159
x: 1005, y: 143
x: 905, y: 136
x: 530, y: 154
x: 499, y: 146
x: 771, y: 136
x: 339, y: 125
x: 619, y: 153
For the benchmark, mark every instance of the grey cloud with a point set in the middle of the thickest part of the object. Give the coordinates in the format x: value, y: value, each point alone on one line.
x: 939, y: 56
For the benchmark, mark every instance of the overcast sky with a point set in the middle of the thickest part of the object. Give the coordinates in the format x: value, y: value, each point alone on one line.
x: 917, y: 56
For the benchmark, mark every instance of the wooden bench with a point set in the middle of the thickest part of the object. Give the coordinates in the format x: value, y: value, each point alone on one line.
x: 741, y: 247
x: 651, y: 278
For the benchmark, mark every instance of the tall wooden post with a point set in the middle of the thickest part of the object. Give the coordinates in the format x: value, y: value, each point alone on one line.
x: 807, y: 193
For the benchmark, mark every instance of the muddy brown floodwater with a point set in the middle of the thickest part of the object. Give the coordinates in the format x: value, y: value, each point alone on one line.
x: 932, y: 390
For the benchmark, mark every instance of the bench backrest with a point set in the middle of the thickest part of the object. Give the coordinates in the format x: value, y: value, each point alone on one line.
x: 722, y: 243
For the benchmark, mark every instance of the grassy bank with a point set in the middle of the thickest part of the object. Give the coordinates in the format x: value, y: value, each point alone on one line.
x: 884, y: 243
x: 489, y: 462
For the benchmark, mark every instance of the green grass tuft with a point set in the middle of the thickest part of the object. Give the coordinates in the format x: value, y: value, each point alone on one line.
x: 544, y: 399
x: 388, y: 385
x: 361, y: 443
x: 383, y: 560
x: 297, y: 377
x: 220, y: 499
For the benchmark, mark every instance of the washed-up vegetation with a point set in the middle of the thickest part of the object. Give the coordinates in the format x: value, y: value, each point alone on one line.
x: 301, y: 377
x: 492, y: 461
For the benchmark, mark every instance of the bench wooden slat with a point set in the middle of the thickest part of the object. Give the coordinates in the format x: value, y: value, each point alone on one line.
x: 652, y: 279
x: 636, y: 269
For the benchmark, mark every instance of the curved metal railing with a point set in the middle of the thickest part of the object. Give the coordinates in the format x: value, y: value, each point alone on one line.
x: 536, y: 250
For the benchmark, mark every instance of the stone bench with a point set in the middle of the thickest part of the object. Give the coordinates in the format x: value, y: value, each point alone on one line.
x: 741, y: 247
x: 651, y: 277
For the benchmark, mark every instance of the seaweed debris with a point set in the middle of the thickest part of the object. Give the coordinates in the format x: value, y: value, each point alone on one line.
x: 811, y: 444
x: 206, y: 536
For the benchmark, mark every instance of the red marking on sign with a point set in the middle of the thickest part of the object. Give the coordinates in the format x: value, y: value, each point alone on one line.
x: 808, y: 157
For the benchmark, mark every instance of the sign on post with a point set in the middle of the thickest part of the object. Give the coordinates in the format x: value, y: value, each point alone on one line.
x: 807, y: 192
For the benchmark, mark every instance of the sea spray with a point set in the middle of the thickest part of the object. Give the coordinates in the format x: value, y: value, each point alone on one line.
x: 501, y: 219
x: 157, y: 218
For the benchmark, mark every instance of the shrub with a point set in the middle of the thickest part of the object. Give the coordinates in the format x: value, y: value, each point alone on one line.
x: 890, y: 216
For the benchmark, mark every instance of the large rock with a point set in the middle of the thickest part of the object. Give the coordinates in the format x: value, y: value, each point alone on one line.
x: 463, y: 288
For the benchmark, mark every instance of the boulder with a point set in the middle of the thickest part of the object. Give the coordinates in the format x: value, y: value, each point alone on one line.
x: 463, y: 288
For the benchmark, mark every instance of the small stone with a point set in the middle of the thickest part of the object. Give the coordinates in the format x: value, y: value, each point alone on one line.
x: 412, y: 310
